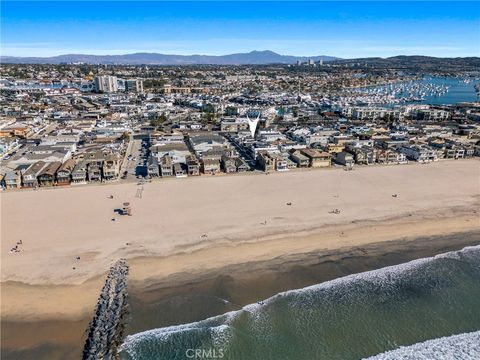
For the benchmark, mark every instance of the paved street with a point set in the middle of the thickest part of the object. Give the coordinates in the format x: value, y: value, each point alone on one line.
x: 133, y: 160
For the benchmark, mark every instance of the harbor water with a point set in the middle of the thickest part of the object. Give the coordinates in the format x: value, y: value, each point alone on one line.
x: 428, y: 90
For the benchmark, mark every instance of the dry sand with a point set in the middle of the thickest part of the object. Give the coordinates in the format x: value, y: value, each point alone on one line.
x: 183, y: 228
x: 230, y: 212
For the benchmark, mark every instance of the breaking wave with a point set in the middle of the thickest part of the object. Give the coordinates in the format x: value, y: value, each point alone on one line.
x: 351, y: 317
x: 463, y: 346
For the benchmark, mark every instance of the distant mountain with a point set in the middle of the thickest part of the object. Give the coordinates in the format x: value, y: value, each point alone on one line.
x: 251, y: 58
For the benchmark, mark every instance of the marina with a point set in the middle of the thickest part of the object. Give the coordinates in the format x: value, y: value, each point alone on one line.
x: 428, y: 90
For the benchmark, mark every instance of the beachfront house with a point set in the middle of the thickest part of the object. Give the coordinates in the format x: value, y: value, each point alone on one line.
x: 79, y: 173
x: 344, y: 158
x: 31, y: 174
x: 266, y: 162
x: 210, y: 166
x: 241, y: 165
x: 469, y: 150
x: 180, y: 170
x: 363, y: 155
x: 476, y: 149
x: 193, y: 166
x: 228, y: 164
x: 111, y: 167
x: 300, y: 159
x: 47, y: 176
x: 177, y: 151
x: 12, y: 179
x: 419, y: 153
x: 94, y: 172
x: 219, y: 152
x: 201, y: 143
x: 290, y: 163
x: 153, y: 167
x: 166, y: 166
x: 401, y: 158
x: 281, y: 163
x: 386, y: 156
x: 318, y: 159
x: 94, y: 160
x: 64, y: 172
x: 456, y: 151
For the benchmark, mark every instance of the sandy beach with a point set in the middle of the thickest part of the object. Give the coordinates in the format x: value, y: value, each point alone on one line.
x: 183, y: 228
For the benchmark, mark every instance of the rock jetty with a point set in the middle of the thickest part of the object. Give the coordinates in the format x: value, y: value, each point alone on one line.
x: 107, y: 328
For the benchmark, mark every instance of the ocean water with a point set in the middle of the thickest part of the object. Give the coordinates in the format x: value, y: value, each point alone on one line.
x: 353, y: 317
x: 462, y: 346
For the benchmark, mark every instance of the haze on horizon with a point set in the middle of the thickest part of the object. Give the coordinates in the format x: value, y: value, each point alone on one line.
x: 341, y: 29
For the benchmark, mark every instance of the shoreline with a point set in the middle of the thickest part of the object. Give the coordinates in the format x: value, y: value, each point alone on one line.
x: 212, y: 232
x: 213, y: 256
x: 234, y: 286
x: 192, y: 296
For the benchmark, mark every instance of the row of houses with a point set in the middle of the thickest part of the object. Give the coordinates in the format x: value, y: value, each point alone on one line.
x: 269, y: 161
x: 354, y: 155
x: 95, y: 166
x: 192, y: 166
x: 276, y: 148
x: 208, y: 153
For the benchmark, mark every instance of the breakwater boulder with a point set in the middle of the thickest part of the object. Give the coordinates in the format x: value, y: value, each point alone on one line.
x: 106, y: 331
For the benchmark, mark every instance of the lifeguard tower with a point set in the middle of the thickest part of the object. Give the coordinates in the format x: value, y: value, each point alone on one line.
x: 126, y: 209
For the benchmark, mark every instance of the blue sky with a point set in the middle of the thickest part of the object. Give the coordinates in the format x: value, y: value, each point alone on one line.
x: 340, y: 28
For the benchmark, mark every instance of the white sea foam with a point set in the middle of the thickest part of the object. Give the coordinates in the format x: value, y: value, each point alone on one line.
x: 221, y: 336
x: 383, y: 277
x: 462, y: 346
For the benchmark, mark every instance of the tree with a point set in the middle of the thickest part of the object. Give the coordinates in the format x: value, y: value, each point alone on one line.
x: 153, y: 83
x: 295, y: 111
x: 125, y: 136
x: 208, y: 108
x: 158, y: 121
x: 207, y: 117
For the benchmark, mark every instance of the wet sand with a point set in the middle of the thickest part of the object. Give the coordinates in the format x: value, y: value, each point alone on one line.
x: 170, y: 302
x: 214, y: 244
x: 191, y: 297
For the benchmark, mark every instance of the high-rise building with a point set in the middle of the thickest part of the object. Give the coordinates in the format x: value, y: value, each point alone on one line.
x: 134, y: 85
x: 120, y: 84
x: 106, y: 83
x: 311, y: 62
